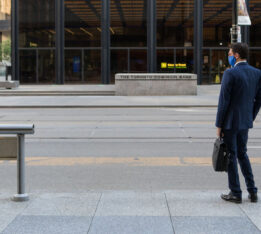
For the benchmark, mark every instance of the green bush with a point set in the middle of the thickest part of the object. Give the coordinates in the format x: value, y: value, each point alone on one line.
x: 5, y: 50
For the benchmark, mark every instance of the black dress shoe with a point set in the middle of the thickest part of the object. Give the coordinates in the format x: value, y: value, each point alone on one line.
x: 231, y: 198
x: 253, y: 197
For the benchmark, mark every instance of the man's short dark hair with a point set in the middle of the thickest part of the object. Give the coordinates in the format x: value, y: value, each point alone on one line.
x: 241, y: 49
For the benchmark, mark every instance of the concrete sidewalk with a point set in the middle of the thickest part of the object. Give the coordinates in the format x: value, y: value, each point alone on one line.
x: 207, y: 97
x: 179, y: 211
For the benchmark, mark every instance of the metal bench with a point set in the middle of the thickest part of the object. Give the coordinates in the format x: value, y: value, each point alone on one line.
x: 13, y: 148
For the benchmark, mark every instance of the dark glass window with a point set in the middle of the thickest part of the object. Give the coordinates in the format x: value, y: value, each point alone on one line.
x: 215, y: 62
x: 175, y: 23
x: 46, y: 66
x: 92, y: 66
x: 82, y: 65
x: 138, y: 60
x: 219, y: 63
x: 28, y: 66
x: 82, y: 23
x: 255, y: 28
x: 184, y: 61
x: 217, y: 22
x: 119, y: 62
x: 255, y: 58
x: 128, y: 23
x: 37, y: 23
x: 73, y: 65
x: 165, y: 60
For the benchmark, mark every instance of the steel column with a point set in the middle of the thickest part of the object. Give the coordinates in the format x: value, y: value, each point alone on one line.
x: 37, y: 66
x: 15, y: 39
x: 128, y: 60
x: 21, y: 196
x: 234, y: 32
x: 59, y: 41
x: 198, y: 38
x: 152, y: 36
x: 105, y: 42
x: 245, y: 29
x: 82, y: 63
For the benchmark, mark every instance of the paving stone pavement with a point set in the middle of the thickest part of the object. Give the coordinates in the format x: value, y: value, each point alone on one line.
x: 113, y: 212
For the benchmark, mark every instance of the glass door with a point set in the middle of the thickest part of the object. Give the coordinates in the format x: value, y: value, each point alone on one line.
x: 82, y: 29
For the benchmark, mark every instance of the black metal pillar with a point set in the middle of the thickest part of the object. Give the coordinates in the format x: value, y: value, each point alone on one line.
x: 245, y: 29
x: 198, y: 38
x: 152, y: 36
x: 234, y: 33
x: 59, y: 41
x: 15, y: 39
x: 105, y: 42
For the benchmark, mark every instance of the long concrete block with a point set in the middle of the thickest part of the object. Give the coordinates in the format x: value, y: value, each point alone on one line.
x: 9, y: 84
x: 8, y: 148
x: 155, y: 84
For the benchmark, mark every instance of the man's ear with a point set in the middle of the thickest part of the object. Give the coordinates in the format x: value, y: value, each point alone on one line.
x: 237, y: 56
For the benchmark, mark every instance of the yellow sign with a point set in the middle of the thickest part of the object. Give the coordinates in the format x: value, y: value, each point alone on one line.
x: 32, y: 44
x: 165, y: 65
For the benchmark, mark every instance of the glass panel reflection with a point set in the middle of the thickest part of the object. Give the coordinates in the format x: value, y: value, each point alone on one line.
x: 219, y: 63
x: 46, y: 66
x: 255, y: 58
x: 217, y: 21
x: 255, y: 29
x: 27, y: 66
x: 37, y: 23
x: 119, y: 62
x: 206, y: 79
x: 165, y: 60
x: 128, y: 23
x: 184, y: 61
x: 82, y: 23
x: 175, y: 23
x: 138, y: 60
x: 73, y: 70
x: 92, y: 66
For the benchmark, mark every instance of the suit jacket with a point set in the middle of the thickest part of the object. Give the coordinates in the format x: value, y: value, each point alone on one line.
x: 240, y: 97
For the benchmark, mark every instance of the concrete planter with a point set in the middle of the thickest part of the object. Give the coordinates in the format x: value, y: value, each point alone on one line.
x: 155, y: 84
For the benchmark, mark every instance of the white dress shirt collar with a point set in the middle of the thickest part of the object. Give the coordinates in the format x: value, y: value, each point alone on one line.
x: 243, y: 61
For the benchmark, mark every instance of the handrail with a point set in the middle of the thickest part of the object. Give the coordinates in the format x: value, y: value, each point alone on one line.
x: 16, y: 128
x: 20, y: 130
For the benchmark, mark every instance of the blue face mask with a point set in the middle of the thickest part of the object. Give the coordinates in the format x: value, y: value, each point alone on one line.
x: 232, y: 60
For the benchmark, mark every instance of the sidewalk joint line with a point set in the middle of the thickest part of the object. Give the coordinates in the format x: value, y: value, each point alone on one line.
x: 19, y: 213
x: 169, y: 213
x: 94, y: 213
x: 249, y: 218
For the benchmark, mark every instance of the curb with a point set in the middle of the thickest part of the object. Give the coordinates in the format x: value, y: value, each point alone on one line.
x: 107, y: 106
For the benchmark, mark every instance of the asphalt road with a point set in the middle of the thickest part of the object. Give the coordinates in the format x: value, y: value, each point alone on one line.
x: 120, y: 149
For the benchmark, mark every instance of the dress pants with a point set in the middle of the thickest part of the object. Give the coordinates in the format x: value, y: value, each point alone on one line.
x: 236, y: 141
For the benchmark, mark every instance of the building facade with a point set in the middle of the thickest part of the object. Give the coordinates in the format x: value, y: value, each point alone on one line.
x: 88, y: 41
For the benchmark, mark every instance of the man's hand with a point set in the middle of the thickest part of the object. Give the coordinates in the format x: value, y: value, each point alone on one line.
x: 219, y: 132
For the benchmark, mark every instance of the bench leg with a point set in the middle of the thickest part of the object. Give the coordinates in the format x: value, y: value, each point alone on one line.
x: 21, y: 196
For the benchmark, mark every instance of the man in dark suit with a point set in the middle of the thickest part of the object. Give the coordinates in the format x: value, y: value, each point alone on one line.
x: 239, y: 103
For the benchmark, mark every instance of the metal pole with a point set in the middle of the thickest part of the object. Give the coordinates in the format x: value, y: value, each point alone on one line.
x: 21, y: 196
x: 37, y: 66
x: 15, y: 39
x: 234, y: 30
x: 151, y: 36
x: 245, y: 29
x: 59, y: 41
x: 105, y: 42
x: 83, y: 65
x: 198, y: 39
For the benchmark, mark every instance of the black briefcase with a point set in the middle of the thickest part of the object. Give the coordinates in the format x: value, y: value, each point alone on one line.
x: 220, y: 157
